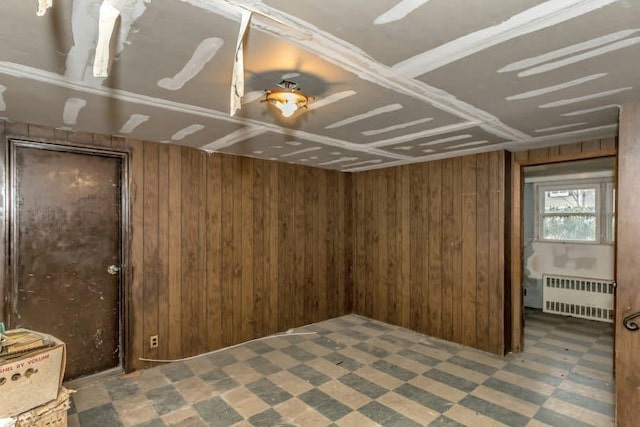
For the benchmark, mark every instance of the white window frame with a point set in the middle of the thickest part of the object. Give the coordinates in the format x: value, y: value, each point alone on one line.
x: 609, y: 212
x: 604, y: 210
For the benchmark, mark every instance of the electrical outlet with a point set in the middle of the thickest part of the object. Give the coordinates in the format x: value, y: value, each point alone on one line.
x: 153, y: 341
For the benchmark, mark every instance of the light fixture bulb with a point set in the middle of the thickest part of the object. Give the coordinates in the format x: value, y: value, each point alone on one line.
x: 287, y: 100
x: 287, y: 105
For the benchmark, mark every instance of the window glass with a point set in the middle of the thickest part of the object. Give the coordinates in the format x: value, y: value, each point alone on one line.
x: 570, y: 213
x: 570, y: 227
x: 576, y: 200
x: 578, y: 211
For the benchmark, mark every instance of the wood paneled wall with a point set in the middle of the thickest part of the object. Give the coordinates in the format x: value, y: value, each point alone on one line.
x: 567, y: 152
x: 627, y: 345
x: 224, y: 249
x: 232, y: 248
x: 429, y: 251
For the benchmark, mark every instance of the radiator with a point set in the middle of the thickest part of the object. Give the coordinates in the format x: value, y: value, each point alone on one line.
x: 578, y: 297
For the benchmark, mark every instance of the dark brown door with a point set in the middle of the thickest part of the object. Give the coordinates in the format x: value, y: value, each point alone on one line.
x: 65, y: 234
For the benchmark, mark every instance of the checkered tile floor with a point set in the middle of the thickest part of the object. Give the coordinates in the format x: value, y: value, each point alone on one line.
x: 360, y: 372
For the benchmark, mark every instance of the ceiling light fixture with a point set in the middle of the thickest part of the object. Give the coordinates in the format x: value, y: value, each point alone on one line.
x: 287, y: 98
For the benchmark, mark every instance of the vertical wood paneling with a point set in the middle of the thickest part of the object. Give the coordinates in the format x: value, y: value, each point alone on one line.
x: 574, y: 148
x: 41, y: 132
x: 360, y: 245
x: 627, y: 345
x: 63, y: 135
x: 469, y: 249
x: 456, y: 255
x: 553, y: 151
x: 540, y: 153
x: 593, y: 145
x: 424, y: 193
x: 227, y: 215
x: 135, y: 319
x: 118, y: 142
x: 609, y: 144
x: 345, y: 213
x: 202, y: 251
x: 404, y: 248
x: 393, y: 239
x: 437, y: 248
x: 298, y: 289
x: 497, y: 264
x: 258, y: 239
x: 239, y: 329
x: 521, y: 156
x: 80, y: 138
x: 247, y: 322
x: 507, y: 245
x: 151, y: 259
x: 224, y: 249
x: 482, y: 252
x: 105, y: 141
x: 175, y: 252
x: 310, y: 301
x: 214, y: 251
x: 567, y: 152
x: 379, y: 248
x: 163, y: 251
x: 332, y: 204
x: 370, y: 240
x: 320, y: 247
x: 285, y: 246
x: 190, y: 265
x: 16, y: 129
x: 271, y: 310
x: 417, y: 246
x: 217, y: 244
x: 448, y: 244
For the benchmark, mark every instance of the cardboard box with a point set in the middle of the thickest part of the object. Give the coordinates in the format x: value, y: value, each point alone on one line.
x: 53, y: 414
x: 32, y: 379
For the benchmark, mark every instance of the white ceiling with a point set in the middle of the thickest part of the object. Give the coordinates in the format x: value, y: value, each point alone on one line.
x: 394, y: 81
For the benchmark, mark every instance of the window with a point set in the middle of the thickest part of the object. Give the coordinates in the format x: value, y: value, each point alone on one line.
x: 580, y: 211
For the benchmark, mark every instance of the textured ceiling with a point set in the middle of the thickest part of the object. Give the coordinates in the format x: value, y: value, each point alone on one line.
x: 394, y: 81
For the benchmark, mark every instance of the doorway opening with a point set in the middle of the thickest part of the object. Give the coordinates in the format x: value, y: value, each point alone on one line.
x: 568, y: 226
x: 67, y: 227
x: 568, y: 258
